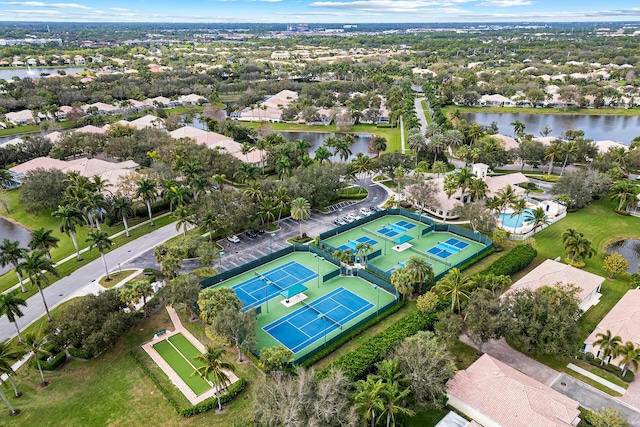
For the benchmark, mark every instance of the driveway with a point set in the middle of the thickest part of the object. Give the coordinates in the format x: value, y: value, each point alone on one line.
x: 588, y: 396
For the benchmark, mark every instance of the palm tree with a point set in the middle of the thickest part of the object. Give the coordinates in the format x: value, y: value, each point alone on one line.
x: 399, y: 172
x: 122, y: 209
x: 177, y: 195
x: 420, y: 271
x: 70, y: 217
x: 569, y: 149
x: 35, y: 266
x: 402, y: 281
x: 147, y: 190
x: 100, y: 240
x: 464, y: 179
x: 214, y: 366
x: 361, y: 165
x: 219, y: 179
x: 539, y: 218
x: 379, y: 143
x: 518, y: 127
x: 10, y: 304
x: 254, y: 191
x: 284, y: 166
x: 183, y: 217
x: 518, y: 209
x: 578, y: 247
x: 266, y: 210
x: 570, y: 233
x: 42, y: 238
x: 208, y: 223
x: 608, y: 345
x: 630, y: 357
x: 368, y: 398
x: 416, y: 142
x: 281, y: 200
x: 342, y: 149
x: 439, y: 168
x: 437, y: 145
x: 192, y: 169
x: 245, y: 173
x: 321, y: 154
x: 300, y: 210
x: 553, y: 152
x: 199, y: 185
x: 5, y: 178
x: 363, y: 249
x: 142, y: 289
x: 8, y: 354
x: 11, y: 254
x: 93, y: 205
x: 393, y: 397
x: 478, y: 189
x: 507, y: 197
x: 456, y: 286
x: 35, y: 345
x: 622, y: 191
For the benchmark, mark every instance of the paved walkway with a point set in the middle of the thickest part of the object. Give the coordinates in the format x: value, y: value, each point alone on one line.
x: 588, y: 396
x: 420, y: 113
x: 173, y: 376
x: 597, y: 379
x: 402, y: 146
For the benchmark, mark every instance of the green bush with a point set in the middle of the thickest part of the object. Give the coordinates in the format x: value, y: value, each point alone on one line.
x: 589, y: 356
x: 622, y: 212
x: 57, y: 359
x: 361, y: 361
x: 79, y: 354
x: 312, y: 360
x: 512, y: 262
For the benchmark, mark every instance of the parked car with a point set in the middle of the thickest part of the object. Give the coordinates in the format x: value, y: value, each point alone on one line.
x: 348, y: 218
x: 251, y: 234
x: 339, y: 221
x: 375, y: 208
x: 356, y: 216
x: 365, y: 211
x: 261, y: 230
x: 233, y: 239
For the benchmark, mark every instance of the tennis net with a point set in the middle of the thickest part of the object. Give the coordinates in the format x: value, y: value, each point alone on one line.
x: 450, y: 247
x: 268, y: 282
x: 431, y: 257
x: 339, y: 325
x: 375, y: 233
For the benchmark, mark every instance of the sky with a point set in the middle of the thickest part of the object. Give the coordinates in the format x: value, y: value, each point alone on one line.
x: 321, y: 11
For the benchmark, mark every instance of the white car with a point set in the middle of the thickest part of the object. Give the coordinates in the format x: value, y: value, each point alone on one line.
x: 365, y: 211
x: 233, y: 239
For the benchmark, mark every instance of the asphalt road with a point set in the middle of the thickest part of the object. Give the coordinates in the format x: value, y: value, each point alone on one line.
x: 139, y: 254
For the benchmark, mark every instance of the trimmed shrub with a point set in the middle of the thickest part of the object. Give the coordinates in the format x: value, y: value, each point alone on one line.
x: 79, y: 354
x: 56, y: 360
x: 512, y: 262
x: 361, y: 361
x: 589, y: 356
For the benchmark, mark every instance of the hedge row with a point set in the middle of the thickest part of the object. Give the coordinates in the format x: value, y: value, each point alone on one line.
x: 513, y: 261
x: 52, y: 365
x: 360, y: 362
x: 79, y: 354
x: 349, y: 336
x: 201, y: 407
x: 594, y: 361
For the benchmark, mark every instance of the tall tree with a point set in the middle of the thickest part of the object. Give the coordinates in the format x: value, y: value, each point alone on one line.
x: 70, y: 217
x: 485, y: 318
x: 237, y: 326
x: 41, y: 238
x: 142, y: 289
x: 518, y: 206
x: 608, y: 344
x: 122, y: 209
x: 420, y: 271
x: 403, y: 282
x: 11, y: 254
x: 8, y: 355
x: 214, y: 367
x: 630, y: 354
x: 368, y: 398
x: 10, y: 304
x: 36, y: 266
x: 101, y: 241
x: 35, y: 345
x: 300, y: 210
x: 456, y: 286
x: 147, y: 190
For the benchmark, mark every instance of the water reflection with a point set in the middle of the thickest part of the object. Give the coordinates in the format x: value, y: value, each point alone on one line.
x: 11, y: 231
x: 630, y: 250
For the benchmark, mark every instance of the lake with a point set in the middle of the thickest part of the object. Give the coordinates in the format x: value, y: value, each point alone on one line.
x: 21, y: 73
x: 316, y: 139
x: 630, y: 250
x: 11, y: 231
x: 597, y: 127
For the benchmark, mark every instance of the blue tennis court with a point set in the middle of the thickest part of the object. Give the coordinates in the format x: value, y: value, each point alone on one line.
x: 351, y: 244
x: 396, y: 228
x: 268, y: 285
x: 313, y: 321
x: 397, y: 266
x: 447, y: 248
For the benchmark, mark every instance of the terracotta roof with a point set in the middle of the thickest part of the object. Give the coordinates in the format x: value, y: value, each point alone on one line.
x: 509, y: 397
x: 53, y: 137
x: 623, y: 319
x: 91, y: 129
x: 551, y: 272
x: 39, y: 163
x: 508, y: 142
x: 203, y: 137
x: 253, y: 157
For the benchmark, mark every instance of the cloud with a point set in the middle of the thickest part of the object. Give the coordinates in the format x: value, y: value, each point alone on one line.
x: 505, y: 3
x: 51, y: 5
x: 302, y: 14
x: 34, y: 12
x: 118, y: 9
x: 394, y: 6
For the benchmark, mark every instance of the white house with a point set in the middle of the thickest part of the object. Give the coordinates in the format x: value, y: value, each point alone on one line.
x: 495, y: 100
x: 20, y: 118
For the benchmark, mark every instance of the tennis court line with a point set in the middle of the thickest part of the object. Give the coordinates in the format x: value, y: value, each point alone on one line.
x: 187, y: 360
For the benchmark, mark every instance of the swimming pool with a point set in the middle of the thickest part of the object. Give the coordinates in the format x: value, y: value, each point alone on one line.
x: 516, y: 221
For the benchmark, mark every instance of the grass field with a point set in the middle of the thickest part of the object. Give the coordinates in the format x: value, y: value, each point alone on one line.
x: 391, y: 258
x: 272, y: 310
x: 182, y: 356
x: 112, y: 390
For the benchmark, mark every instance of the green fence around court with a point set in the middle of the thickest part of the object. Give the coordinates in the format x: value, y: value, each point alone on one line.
x: 377, y: 280
x: 330, y: 276
x: 476, y: 237
x: 221, y: 277
x: 374, y: 254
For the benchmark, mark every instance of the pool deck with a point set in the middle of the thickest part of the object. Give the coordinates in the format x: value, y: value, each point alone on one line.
x: 173, y: 376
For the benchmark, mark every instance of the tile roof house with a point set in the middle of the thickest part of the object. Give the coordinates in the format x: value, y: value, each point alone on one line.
x: 143, y: 122
x: 551, y: 272
x: 497, y: 395
x: 622, y: 320
x: 21, y: 117
x: 91, y: 129
x: 270, y: 109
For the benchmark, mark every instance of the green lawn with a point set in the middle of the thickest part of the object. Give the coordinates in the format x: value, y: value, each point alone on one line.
x: 113, y: 390
x: 175, y: 355
x: 529, y: 110
x: 426, y: 417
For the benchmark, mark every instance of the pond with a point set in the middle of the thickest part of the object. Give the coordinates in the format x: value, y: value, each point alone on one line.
x: 597, y: 127
x: 21, y: 73
x: 316, y: 139
x: 630, y: 250
x: 11, y: 231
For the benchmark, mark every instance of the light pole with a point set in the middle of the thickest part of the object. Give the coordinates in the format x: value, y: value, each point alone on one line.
x: 377, y: 288
x: 220, y: 255
x: 273, y: 235
x: 317, y: 257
